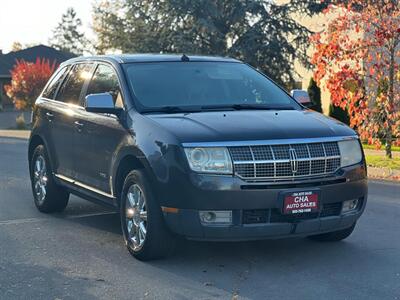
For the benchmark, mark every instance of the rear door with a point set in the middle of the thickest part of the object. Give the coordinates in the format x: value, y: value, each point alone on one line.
x: 100, y: 134
x: 47, y: 106
x: 65, y: 109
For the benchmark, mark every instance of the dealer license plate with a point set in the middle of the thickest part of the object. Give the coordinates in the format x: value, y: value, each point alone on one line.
x: 301, y: 202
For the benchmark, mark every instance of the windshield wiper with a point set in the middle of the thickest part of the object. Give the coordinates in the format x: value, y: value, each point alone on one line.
x: 170, y: 109
x: 246, y: 106
x: 191, y: 109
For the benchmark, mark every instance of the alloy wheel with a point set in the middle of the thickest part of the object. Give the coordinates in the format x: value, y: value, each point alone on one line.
x: 40, y: 178
x: 136, y: 216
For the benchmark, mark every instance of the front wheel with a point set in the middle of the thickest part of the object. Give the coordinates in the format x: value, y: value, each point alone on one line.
x: 334, y: 236
x: 143, y: 226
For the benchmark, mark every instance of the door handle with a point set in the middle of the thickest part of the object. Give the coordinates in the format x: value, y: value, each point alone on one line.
x: 78, y: 125
x: 49, y: 116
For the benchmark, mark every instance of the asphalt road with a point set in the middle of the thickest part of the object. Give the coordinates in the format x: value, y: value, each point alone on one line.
x: 79, y: 254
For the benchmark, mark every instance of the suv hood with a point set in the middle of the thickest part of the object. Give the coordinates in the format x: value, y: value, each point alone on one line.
x: 246, y: 125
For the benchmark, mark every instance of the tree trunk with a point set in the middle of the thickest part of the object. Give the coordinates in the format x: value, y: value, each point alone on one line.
x: 388, y: 147
x: 389, y: 131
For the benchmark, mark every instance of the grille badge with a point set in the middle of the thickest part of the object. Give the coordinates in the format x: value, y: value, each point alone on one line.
x: 294, y: 164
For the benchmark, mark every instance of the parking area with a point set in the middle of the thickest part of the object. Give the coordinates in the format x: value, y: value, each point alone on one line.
x: 80, y: 254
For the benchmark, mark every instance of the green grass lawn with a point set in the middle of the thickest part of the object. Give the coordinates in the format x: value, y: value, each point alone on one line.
x: 383, y: 162
x: 373, y: 147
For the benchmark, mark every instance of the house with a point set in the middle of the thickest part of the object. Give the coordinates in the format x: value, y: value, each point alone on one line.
x: 7, y: 62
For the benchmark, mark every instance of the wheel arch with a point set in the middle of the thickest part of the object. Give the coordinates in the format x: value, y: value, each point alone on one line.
x: 127, y: 163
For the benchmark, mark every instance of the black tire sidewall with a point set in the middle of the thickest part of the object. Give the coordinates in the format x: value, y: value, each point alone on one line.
x: 155, y: 229
x: 56, y: 198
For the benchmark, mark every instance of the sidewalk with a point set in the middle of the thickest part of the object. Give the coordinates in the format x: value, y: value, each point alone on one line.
x: 18, y: 134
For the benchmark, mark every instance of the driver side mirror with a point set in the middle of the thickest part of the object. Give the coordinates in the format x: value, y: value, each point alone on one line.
x: 101, y: 103
x: 302, y: 97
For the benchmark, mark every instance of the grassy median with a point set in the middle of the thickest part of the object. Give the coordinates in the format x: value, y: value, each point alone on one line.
x: 373, y: 147
x: 381, y: 161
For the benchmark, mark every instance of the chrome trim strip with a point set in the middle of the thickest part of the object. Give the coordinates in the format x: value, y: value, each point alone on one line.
x: 288, y: 179
x: 326, y: 159
x: 254, y: 162
x: 309, y: 155
x: 285, y: 178
x: 273, y: 157
x: 239, y: 162
x: 65, y: 178
x: 270, y: 142
x: 85, y: 186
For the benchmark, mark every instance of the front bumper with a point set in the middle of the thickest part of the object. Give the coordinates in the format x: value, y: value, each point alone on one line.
x: 264, y: 201
x: 187, y: 223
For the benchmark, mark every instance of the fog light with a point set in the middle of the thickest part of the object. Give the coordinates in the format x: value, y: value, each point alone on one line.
x: 216, y: 217
x: 349, y: 205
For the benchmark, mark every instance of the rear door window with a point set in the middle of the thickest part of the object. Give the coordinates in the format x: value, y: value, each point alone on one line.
x: 51, y: 89
x: 71, y: 89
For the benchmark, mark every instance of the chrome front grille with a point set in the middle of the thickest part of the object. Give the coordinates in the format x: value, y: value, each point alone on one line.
x: 285, y: 161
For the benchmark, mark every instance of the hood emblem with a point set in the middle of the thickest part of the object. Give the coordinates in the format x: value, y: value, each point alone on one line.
x: 294, y: 164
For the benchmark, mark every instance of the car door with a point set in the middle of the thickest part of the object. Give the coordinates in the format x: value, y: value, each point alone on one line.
x: 65, y: 108
x: 100, y: 134
x: 47, y: 106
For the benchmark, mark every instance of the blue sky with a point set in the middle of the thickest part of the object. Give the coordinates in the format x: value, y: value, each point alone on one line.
x: 32, y: 22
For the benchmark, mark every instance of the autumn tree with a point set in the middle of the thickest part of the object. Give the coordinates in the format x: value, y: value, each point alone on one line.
x: 357, y: 56
x: 263, y: 33
x: 67, y: 36
x: 28, y: 80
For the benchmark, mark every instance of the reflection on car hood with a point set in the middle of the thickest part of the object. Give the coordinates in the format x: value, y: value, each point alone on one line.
x: 250, y: 125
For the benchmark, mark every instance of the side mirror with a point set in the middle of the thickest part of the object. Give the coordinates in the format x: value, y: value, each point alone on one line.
x: 101, y: 103
x: 302, y: 97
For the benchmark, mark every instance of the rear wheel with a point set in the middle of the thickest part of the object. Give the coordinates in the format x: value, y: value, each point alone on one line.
x: 334, y: 236
x: 143, y: 226
x: 47, y: 195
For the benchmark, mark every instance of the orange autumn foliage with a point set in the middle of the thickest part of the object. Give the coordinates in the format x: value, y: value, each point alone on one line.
x: 358, y: 56
x: 28, y: 80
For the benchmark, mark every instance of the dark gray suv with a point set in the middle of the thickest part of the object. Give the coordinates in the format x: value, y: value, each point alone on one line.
x: 206, y: 148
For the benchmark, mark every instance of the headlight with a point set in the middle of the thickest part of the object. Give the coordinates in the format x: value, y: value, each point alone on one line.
x: 209, y: 160
x: 350, y: 152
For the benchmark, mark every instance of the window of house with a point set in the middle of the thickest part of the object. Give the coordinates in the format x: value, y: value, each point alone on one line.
x: 105, y: 80
x: 71, y: 89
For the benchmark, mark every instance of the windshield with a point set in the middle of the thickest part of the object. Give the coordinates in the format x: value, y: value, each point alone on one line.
x: 204, y: 85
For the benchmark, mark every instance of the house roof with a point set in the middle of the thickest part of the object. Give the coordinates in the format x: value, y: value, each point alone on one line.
x: 7, y: 61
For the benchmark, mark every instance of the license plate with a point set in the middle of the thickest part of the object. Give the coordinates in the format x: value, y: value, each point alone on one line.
x: 300, y: 202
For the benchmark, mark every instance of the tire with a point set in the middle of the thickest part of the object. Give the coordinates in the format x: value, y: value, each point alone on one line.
x: 334, y: 236
x: 145, y: 232
x: 47, y: 195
